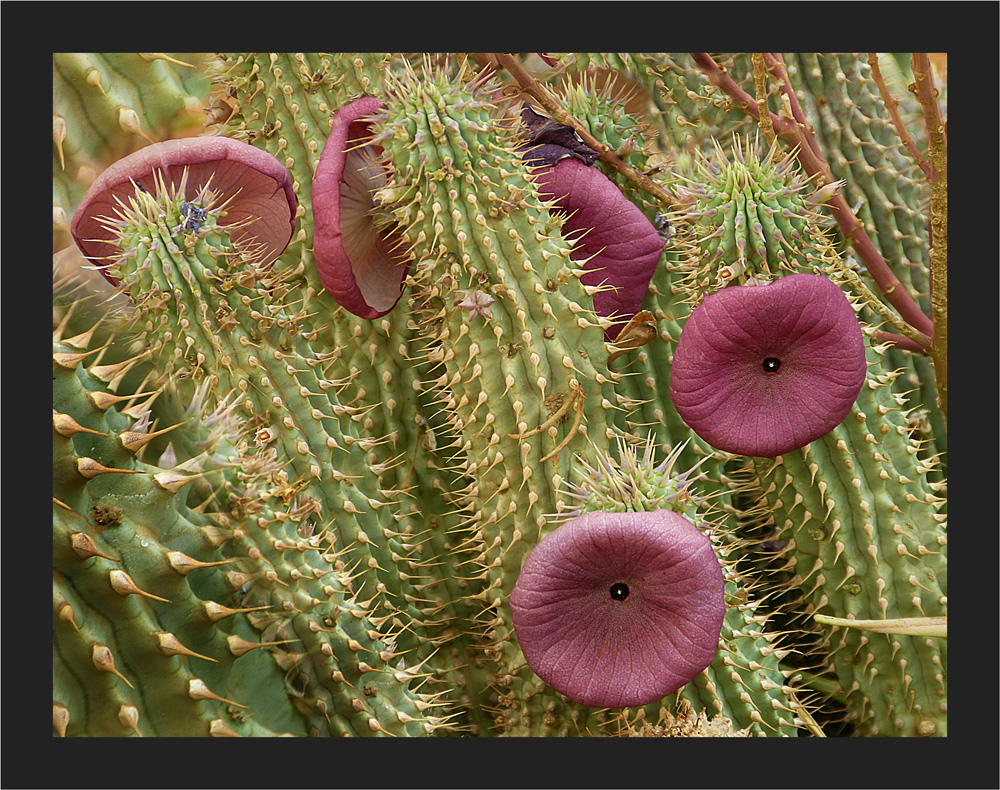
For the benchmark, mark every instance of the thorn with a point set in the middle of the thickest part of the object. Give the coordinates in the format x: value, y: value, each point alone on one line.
x: 60, y: 718
x: 128, y: 715
x: 105, y: 400
x: 219, y: 729
x: 149, y: 57
x: 239, y: 646
x: 103, y: 660
x: 133, y: 441
x: 70, y: 361
x: 68, y: 615
x: 113, y: 374
x: 128, y: 120
x: 375, y: 726
x: 90, y: 469
x: 66, y: 426
x: 171, y: 646
x: 199, y: 691
x: 82, y: 340
x: 172, y: 481
x: 217, y: 611
x: 58, y: 136
x: 184, y: 564
x: 85, y: 547
x: 122, y: 584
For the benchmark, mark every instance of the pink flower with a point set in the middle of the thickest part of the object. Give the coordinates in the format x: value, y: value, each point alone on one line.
x: 620, y: 246
x: 263, y: 205
x: 766, y: 369
x: 620, y: 609
x: 361, y: 267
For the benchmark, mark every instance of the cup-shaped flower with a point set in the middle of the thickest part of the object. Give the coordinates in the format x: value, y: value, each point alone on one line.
x: 763, y: 370
x: 254, y: 188
x: 619, y: 246
x: 360, y: 266
x: 620, y: 609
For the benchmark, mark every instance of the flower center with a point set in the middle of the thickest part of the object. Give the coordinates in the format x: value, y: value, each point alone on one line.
x: 619, y: 591
x: 771, y: 365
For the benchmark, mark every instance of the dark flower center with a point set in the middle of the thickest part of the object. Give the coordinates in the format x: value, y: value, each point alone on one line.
x: 771, y: 365
x: 619, y: 591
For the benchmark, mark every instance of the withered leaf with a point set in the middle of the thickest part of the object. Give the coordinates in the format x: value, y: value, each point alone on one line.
x: 549, y: 141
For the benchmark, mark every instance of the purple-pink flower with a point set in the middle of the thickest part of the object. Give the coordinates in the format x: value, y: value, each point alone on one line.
x: 360, y: 266
x: 620, y: 247
x: 262, y: 208
x: 620, y: 609
x: 765, y: 369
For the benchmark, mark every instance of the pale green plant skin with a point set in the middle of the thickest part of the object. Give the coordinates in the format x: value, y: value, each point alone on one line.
x: 324, y: 541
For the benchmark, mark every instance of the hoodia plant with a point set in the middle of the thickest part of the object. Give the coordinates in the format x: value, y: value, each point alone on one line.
x: 574, y: 395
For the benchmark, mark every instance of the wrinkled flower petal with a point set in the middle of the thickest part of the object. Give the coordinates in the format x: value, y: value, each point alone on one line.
x: 762, y: 370
x: 621, y: 247
x: 361, y: 267
x: 620, y: 609
x: 264, y: 206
